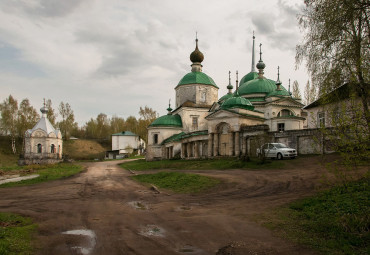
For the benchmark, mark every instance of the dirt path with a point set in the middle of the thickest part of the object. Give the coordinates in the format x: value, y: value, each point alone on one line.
x: 102, y: 211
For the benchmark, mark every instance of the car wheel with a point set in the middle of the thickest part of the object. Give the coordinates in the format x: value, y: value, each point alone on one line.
x: 279, y: 156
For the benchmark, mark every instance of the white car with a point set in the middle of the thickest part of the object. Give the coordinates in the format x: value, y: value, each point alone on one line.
x: 276, y: 150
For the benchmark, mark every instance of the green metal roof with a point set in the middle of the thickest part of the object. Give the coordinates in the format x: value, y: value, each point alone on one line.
x: 225, y: 97
x: 237, y: 102
x: 257, y: 99
x: 248, y: 77
x: 172, y: 138
x: 197, y: 78
x: 257, y: 86
x: 278, y: 93
x: 167, y: 121
x: 182, y: 135
x: 125, y: 133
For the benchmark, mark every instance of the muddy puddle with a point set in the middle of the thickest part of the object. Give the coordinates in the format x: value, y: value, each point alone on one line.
x: 90, y: 238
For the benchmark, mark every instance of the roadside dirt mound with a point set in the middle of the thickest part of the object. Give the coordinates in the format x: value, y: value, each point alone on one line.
x: 83, y: 149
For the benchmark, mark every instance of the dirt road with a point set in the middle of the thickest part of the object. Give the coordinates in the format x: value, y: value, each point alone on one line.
x: 102, y: 211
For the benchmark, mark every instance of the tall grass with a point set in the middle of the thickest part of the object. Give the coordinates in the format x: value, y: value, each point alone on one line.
x: 336, y: 221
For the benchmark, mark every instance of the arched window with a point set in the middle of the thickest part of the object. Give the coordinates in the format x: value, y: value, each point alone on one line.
x: 285, y: 112
x: 52, y: 150
x: 39, y: 148
x: 155, y: 139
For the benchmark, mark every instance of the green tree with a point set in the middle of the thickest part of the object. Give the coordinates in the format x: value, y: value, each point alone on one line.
x: 68, y: 119
x: 296, y: 92
x: 117, y: 124
x: 9, y: 119
x: 131, y: 124
x: 147, y: 116
x: 27, y: 118
x: 336, y: 45
x: 91, y: 129
x: 103, y: 128
x: 51, y: 115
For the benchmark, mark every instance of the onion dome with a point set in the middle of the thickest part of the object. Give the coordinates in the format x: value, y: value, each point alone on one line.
x: 169, y: 109
x: 260, y: 65
x: 197, y: 78
x: 196, y: 56
x: 257, y: 86
x: 236, y: 101
x: 279, y: 91
x: 229, y: 93
x: 248, y: 77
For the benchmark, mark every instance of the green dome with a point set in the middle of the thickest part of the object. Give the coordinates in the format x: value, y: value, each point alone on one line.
x: 225, y: 97
x: 197, y: 78
x: 258, y: 86
x: 281, y: 92
x: 248, y: 77
x: 237, y: 101
x: 167, y: 121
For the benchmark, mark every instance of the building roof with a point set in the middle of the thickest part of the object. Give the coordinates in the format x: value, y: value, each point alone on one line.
x: 258, y: 86
x: 237, y: 101
x: 248, y: 77
x: 197, y: 78
x: 168, y: 120
x: 125, y: 133
x: 44, y: 124
x: 225, y: 97
x: 278, y: 93
x: 342, y: 92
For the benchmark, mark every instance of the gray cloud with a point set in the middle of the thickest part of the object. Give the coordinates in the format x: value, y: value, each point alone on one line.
x: 264, y: 22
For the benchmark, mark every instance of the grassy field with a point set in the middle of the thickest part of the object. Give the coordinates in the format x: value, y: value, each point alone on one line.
x: 336, y: 221
x: 15, y: 234
x: 82, y: 149
x: 178, y: 182
x: 215, y: 164
x: 46, y: 172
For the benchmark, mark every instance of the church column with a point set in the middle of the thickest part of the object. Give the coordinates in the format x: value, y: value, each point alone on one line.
x: 196, y: 149
x: 231, y: 143
x: 244, y: 146
x: 188, y: 149
x: 210, y: 142
x: 215, y: 145
x: 237, y: 144
x: 182, y: 150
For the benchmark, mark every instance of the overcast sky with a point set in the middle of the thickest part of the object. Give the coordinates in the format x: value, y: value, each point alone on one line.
x: 113, y: 56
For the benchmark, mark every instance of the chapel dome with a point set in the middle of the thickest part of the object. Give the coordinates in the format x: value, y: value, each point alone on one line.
x: 258, y: 86
x: 283, y: 92
x: 237, y: 101
x: 168, y: 120
x: 196, y: 56
x: 248, y: 77
x: 197, y: 78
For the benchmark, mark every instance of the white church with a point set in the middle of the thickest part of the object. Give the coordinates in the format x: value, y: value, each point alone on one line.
x: 205, y: 126
x: 43, y: 144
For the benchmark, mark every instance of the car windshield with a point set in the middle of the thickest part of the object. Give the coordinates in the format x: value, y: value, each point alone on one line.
x: 280, y: 145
